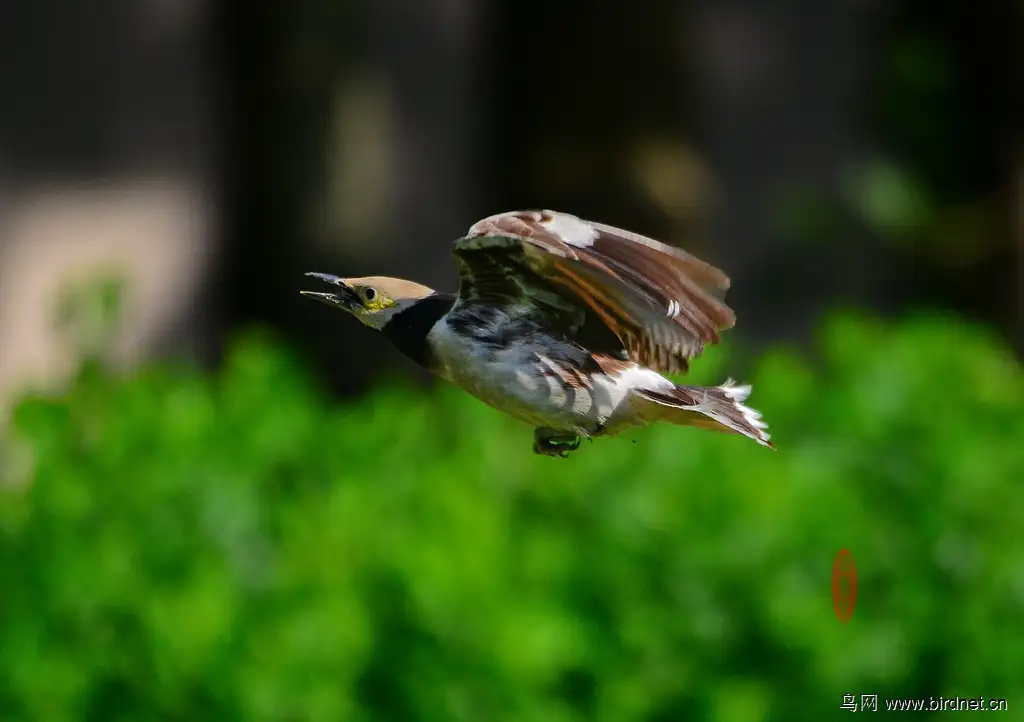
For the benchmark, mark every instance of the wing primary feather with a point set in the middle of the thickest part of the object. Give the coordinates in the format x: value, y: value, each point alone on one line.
x: 662, y: 303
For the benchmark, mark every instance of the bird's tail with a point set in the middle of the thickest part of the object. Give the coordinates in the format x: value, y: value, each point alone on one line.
x: 717, y: 408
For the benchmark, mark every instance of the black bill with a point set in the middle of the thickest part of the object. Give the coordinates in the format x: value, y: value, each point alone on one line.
x: 344, y: 297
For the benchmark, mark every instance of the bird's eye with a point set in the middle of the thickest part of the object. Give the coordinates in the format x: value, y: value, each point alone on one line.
x: 370, y: 294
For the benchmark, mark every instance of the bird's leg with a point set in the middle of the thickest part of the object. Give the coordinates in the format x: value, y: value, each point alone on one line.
x: 551, y: 442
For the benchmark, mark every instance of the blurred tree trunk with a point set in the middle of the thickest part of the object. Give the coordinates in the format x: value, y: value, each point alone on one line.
x: 938, y: 85
x: 776, y: 84
x: 989, y: 43
x: 408, y: 68
x: 429, y: 53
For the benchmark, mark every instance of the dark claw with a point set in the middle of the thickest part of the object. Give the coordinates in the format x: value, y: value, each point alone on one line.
x: 550, y: 443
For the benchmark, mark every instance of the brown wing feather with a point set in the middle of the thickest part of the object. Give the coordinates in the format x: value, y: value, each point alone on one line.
x: 495, y: 275
x: 662, y: 303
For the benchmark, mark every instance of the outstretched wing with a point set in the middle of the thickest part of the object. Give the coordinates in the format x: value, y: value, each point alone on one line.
x: 663, y: 304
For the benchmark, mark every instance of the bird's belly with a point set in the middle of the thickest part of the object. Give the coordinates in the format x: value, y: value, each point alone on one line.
x: 535, y: 379
x: 523, y: 394
x: 517, y: 383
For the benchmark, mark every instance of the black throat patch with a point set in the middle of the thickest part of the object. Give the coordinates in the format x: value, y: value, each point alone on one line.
x: 408, y: 330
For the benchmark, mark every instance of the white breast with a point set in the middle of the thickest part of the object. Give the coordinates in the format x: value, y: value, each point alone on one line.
x: 527, y: 381
x: 500, y: 377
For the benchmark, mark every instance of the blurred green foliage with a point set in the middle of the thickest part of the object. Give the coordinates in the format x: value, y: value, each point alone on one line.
x: 181, y: 547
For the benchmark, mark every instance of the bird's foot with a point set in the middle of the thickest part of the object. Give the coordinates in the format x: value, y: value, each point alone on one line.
x: 548, y: 442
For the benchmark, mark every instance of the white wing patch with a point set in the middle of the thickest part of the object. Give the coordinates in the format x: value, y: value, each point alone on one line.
x: 570, y: 229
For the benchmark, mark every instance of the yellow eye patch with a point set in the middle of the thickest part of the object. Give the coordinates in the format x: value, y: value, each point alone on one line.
x: 373, y: 299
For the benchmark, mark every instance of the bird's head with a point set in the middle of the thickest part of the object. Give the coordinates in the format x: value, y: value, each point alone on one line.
x: 372, y: 299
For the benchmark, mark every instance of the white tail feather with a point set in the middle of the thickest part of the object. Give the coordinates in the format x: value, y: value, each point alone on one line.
x: 718, y: 408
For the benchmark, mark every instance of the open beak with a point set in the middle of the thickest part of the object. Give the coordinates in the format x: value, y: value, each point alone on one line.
x: 344, y: 298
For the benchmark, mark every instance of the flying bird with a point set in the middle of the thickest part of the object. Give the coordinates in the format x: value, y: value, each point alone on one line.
x: 565, y: 324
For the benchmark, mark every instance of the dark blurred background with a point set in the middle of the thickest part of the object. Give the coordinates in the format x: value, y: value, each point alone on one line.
x: 853, y: 152
x: 194, y: 527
